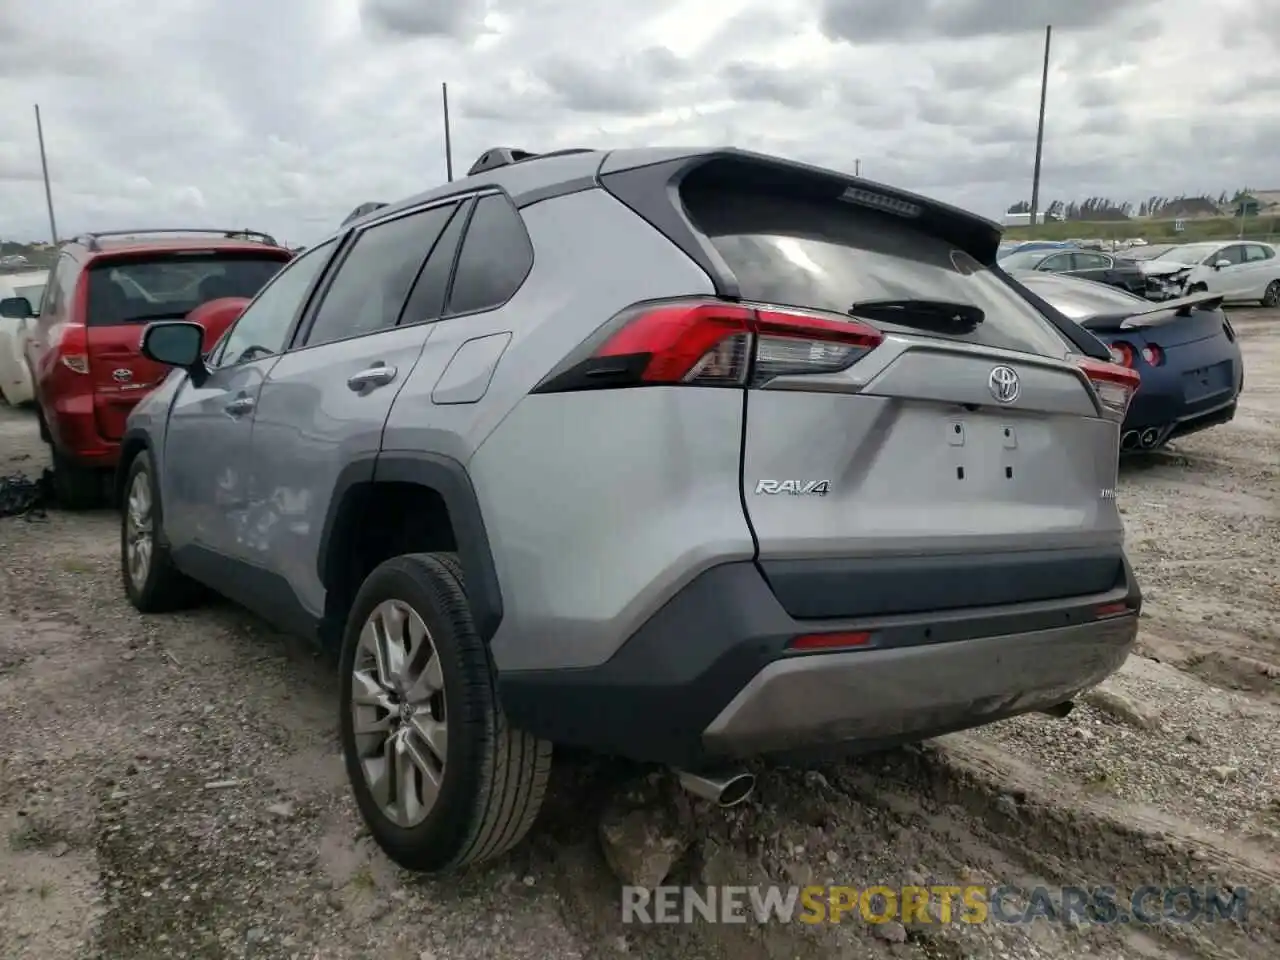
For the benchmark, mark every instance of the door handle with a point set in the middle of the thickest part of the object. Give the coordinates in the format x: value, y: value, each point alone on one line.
x: 239, y: 406
x: 379, y: 375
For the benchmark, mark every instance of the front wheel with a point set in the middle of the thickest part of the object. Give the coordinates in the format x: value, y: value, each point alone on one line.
x: 151, y: 581
x: 1271, y: 297
x: 441, y: 780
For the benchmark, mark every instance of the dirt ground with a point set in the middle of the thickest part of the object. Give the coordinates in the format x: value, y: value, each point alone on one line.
x: 171, y: 786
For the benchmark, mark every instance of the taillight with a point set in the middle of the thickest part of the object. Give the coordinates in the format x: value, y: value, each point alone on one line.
x: 1114, y: 384
x: 1153, y: 355
x: 1122, y: 354
x: 72, y: 348
x: 711, y: 343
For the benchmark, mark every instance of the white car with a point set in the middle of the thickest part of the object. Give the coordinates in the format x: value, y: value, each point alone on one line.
x: 15, y: 376
x: 1239, y: 270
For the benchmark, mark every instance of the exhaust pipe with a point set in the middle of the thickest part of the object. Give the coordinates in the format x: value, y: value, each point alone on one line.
x: 725, y: 790
x: 1149, y: 438
x: 1129, y: 440
x: 1059, y: 710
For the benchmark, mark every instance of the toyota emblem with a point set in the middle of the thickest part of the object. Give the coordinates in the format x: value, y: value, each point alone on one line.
x: 123, y: 375
x: 1003, y: 384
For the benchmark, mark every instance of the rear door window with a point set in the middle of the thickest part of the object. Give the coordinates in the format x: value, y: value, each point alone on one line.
x: 139, y: 289
x: 828, y: 256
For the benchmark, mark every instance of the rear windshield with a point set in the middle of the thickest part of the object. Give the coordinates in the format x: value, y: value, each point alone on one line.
x: 139, y: 290
x: 826, y: 256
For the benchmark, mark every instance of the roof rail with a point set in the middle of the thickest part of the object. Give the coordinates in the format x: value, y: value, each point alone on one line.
x: 90, y: 240
x: 496, y: 157
x: 361, y: 210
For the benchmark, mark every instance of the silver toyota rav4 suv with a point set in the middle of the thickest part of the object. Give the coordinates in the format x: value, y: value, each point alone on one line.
x: 685, y: 456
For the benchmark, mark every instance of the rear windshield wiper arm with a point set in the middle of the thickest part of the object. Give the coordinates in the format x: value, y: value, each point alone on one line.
x: 922, y: 314
x: 148, y: 317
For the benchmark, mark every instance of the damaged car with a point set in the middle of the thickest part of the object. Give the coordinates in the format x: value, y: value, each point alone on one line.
x: 1242, y: 272
x: 1184, y: 350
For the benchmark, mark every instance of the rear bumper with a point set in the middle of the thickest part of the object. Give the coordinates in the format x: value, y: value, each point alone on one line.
x: 73, y: 423
x: 709, y: 677
x: 1161, y: 401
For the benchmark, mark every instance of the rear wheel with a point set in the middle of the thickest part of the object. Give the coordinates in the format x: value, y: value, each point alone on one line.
x: 76, y: 487
x: 441, y: 780
x: 1271, y: 298
x: 151, y: 581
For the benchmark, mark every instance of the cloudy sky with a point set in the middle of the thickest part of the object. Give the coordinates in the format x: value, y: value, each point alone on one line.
x: 284, y: 114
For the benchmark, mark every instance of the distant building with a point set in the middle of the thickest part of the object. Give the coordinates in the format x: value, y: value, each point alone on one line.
x: 1260, y: 203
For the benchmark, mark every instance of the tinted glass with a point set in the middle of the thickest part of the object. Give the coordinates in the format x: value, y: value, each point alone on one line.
x: 496, y: 257
x: 264, y: 328
x: 169, y: 287
x: 828, y: 256
x: 426, y: 302
x: 373, y: 280
x: 1023, y: 260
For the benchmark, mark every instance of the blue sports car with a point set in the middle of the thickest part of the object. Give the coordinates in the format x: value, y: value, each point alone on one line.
x: 1184, y: 350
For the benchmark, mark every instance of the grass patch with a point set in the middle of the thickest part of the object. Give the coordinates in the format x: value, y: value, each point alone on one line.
x: 1154, y: 231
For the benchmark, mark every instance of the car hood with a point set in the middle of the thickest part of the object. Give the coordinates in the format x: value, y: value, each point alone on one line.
x: 1160, y: 268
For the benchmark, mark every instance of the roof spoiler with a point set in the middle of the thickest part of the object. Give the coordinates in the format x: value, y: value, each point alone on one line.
x: 1181, y: 307
x: 90, y: 240
x: 361, y: 210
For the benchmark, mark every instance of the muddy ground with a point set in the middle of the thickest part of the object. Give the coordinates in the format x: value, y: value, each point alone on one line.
x: 171, y: 786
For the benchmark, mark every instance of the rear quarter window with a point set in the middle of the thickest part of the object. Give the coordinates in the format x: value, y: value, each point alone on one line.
x: 827, y: 256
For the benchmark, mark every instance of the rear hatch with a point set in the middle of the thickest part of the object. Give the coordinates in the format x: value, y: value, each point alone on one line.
x: 957, y: 457
x: 124, y: 293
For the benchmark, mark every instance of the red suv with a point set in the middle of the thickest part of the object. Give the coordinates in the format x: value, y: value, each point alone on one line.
x: 86, y: 366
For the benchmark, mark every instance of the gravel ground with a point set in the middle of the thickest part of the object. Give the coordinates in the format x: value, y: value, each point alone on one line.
x: 171, y: 786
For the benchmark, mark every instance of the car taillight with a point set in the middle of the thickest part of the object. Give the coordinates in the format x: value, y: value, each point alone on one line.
x: 1122, y: 354
x: 1114, y: 384
x: 72, y: 348
x: 1153, y: 355
x: 711, y: 343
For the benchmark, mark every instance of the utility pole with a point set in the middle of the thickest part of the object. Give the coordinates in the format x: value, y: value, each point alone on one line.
x: 448, y: 143
x: 857, y: 168
x: 1044, y: 87
x: 48, y: 192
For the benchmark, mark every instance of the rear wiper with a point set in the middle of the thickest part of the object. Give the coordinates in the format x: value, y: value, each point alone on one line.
x: 922, y: 314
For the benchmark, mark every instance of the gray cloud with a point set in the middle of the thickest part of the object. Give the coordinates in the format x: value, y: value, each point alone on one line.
x: 871, y: 21
x: 285, y: 115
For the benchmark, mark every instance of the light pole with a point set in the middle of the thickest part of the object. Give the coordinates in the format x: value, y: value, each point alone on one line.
x: 1044, y: 87
x: 48, y: 193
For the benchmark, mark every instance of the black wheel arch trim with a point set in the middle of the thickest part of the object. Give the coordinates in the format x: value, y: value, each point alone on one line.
x: 448, y: 478
x: 134, y: 439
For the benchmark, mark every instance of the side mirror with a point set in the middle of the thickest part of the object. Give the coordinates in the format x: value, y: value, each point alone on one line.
x: 16, y: 308
x: 1219, y: 264
x: 177, y: 343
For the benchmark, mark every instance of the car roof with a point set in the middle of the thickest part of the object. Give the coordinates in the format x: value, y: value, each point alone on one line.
x: 528, y: 177
x: 1076, y: 297
x: 92, y: 245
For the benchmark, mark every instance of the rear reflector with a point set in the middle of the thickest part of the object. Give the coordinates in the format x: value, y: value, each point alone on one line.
x: 829, y: 641
x: 711, y: 343
x: 1114, y: 384
x: 1111, y: 610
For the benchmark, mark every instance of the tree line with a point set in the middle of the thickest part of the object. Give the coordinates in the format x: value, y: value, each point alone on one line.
x: 1105, y: 208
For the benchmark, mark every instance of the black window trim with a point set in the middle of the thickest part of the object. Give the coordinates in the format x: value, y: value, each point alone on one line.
x: 446, y: 313
x: 350, y: 238
x: 299, y: 313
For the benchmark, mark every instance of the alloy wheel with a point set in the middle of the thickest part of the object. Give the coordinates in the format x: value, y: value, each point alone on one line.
x: 139, y: 538
x: 398, y: 713
x: 1272, y: 296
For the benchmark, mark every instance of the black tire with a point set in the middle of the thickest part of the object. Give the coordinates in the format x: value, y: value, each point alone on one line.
x: 76, y: 487
x: 45, y: 436
x: 1271, y: 296
x: 164, y: 588
x: 494, y: 777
